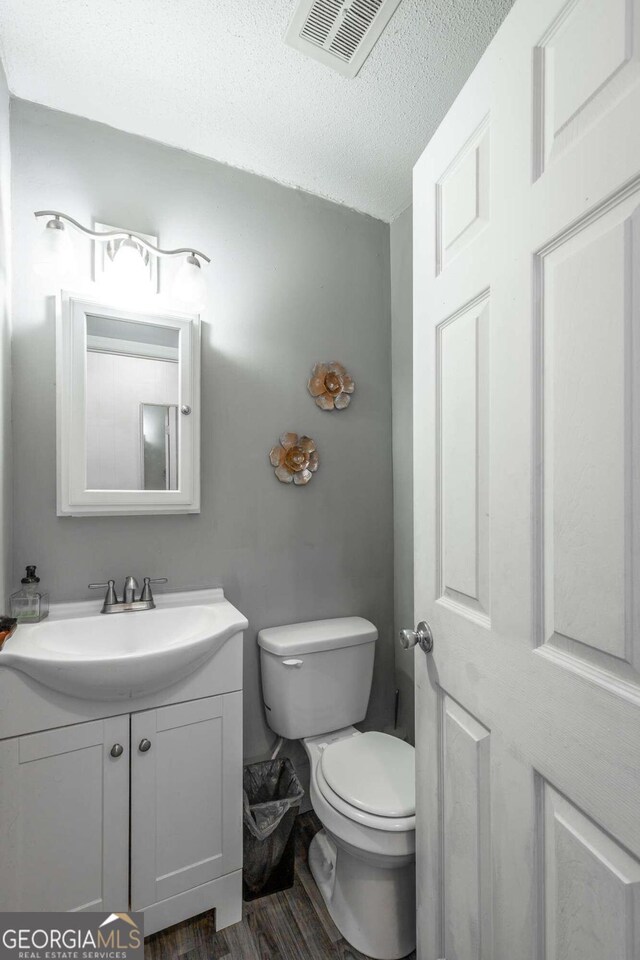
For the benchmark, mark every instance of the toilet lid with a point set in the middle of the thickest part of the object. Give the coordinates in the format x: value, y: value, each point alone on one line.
x: 374, y: 772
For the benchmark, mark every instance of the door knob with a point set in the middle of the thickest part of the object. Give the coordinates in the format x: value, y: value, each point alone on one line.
x: 421, y: 635
x: 117, y: 750
x: 144, y: 745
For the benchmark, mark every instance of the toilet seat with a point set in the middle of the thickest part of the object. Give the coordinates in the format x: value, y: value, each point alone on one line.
x: 356, y: 815
x: 372, y: 772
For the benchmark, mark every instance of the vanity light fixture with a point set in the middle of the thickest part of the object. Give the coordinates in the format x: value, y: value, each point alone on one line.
x: 128, y: 264
x: 189, y: 284
x: 54, y: 254
x: 126, y: 249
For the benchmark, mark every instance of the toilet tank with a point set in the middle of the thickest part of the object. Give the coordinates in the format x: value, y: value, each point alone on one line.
x: 316, y: 676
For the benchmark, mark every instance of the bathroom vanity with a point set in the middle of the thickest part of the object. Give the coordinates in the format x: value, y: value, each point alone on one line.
x: 121, y: 761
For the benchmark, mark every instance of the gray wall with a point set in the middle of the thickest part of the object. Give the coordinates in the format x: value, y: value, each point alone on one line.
x: 294, y: 279
x: 5, y: 345
x: 402, y: 390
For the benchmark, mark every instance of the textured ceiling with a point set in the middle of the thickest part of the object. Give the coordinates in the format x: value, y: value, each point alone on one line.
x: 215, y: 77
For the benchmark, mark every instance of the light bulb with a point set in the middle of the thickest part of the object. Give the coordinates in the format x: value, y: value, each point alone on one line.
x: 190, y: 285
x: 54, y: 259
x: 128, y: 269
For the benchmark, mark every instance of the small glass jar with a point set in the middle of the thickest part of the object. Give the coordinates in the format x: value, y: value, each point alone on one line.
x: 29, y: 604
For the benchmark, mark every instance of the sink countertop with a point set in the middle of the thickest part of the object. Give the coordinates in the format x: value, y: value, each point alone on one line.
x: 71, y: 610
x: 80, y: 652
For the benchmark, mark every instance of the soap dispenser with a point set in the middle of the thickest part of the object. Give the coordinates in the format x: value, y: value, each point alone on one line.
x: 29, y: 604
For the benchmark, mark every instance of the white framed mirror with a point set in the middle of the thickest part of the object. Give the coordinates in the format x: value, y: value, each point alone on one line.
x: 128, y: 409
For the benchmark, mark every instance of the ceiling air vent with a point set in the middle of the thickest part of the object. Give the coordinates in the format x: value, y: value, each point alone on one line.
x: 339, y: 33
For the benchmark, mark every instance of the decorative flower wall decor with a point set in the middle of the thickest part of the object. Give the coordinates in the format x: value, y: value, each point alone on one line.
x: 331, y: 386
x: 295, y: 459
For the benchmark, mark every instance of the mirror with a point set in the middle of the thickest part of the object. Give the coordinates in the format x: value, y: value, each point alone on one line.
x: 132, y: 385
x: 128, y: 416
x: 159, y: 436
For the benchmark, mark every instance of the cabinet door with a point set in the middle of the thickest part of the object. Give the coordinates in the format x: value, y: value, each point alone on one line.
x: 64, y: 818
x: 186, y: 796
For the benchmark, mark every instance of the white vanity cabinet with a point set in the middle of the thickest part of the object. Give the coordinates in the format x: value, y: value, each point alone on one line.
x: 142, y: 810
x: 132, y: 804
x: 64, y: 815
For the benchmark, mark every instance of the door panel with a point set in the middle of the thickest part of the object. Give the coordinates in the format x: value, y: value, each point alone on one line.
x: 462, y: 197
x: 527, y: 471
x: 585, y: 62
x: 64, y: 807
x: 587, y: 368
x: 463, y: 454
x: 592, y: 887
x: 186, y: 797
x: 467, y: 834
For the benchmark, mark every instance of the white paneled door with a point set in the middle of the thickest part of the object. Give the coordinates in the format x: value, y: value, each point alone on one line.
x: 527, y: 487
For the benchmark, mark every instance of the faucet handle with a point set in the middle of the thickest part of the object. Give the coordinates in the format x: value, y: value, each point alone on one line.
x: 111, y: 596
x: 146, y: 594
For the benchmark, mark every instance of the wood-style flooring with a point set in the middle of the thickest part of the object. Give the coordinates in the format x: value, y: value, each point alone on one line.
x: 293, y: 925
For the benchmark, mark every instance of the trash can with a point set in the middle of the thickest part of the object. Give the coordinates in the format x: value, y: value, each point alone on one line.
x: 272, y: 796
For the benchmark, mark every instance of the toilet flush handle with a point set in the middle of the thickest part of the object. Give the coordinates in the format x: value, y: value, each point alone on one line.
x: 292, y: 663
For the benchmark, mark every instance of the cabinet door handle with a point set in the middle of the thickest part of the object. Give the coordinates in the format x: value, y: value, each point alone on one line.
x: 117, y: 750
x: 144, y: 745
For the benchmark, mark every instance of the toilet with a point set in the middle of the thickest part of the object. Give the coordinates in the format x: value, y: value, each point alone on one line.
x: 316, y: 681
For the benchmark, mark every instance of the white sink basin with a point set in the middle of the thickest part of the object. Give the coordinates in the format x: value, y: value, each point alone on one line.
x: 83, y: 653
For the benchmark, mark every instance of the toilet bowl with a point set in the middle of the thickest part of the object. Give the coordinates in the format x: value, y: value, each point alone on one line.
x: 316, y: 681
x: 363, y: 863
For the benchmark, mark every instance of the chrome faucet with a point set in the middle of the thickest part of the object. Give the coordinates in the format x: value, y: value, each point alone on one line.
x: 130, y: 587
x: 128, y: 603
